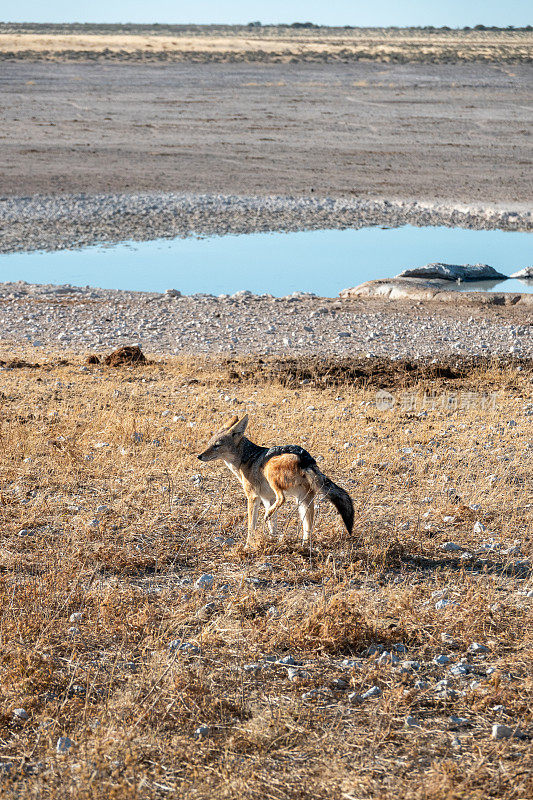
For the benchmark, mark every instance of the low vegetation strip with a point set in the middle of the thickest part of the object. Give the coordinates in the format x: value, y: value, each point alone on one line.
x: 275, y: 44
x: 143, y: 653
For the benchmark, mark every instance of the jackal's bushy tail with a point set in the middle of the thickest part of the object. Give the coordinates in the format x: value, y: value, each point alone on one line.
x: 335, y: 494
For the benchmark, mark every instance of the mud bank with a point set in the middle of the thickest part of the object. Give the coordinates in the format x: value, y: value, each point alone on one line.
x: 70, y: 221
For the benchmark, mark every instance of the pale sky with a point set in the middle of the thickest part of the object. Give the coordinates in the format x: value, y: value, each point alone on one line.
x: 454, y: 13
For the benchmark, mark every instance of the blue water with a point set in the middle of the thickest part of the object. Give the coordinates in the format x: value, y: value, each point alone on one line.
x: 323, y: 262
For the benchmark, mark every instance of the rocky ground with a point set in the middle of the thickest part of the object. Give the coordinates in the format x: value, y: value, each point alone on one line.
x: 79, y: 320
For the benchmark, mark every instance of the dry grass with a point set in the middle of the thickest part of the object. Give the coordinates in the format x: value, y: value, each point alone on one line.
x: 74, y: 438
x: 275, y: 44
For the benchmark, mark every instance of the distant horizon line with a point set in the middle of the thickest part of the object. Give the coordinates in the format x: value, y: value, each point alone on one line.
x: 259, y: 25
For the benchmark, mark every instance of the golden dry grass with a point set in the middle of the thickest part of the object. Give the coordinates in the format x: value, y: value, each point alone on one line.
x: 75, y: 438
x: 276, y: 44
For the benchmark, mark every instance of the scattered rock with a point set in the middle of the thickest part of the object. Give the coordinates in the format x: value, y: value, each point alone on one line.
x: 500, y: 731
x: 375, y: 691
x: 478, y: 648
x: 460, y: 670
x: 287, y: 660
x: 205, y: 582
x: 202, y: 732
x: 459, y: 722
x: 64, y: 744
x: 184, y: 647
x: 447, y: 639
x: 443, y: 603
x: 76, y: 616
x: 453, y: 272
x: 526, y: 273
x: 451, y: 547
x: 20, y: 713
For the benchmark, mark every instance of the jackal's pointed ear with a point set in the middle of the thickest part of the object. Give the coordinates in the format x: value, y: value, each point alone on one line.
x: 240, y: 426
x: 231, y: 423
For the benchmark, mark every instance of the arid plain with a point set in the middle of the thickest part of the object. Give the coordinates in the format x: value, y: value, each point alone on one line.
x: 143, y: 652
x: 86, y: 113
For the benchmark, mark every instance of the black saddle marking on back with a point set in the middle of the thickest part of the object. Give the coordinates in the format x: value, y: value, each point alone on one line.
x: 306, y: 459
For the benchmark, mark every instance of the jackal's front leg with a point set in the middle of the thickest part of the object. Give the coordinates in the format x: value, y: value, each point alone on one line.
x: 306, y: 511
x: 253, y: 508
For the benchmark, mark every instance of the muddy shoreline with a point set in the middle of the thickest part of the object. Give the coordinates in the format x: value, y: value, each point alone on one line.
x: 53, y: 223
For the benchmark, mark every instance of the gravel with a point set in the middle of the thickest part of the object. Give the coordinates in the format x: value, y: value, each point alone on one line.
x: 64, y: 744
x: 53, y: 222
x: 73, y: 319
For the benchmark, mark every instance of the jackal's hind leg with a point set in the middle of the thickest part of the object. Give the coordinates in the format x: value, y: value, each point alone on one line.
x: 271, y: 521
x: 280, y: 499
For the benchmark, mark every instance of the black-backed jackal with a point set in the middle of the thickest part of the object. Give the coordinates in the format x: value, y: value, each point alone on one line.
x: 270, y: 474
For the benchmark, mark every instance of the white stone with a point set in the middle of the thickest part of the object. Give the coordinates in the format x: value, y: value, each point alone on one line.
x: 478, y: 648
x: 500, y: 731
x: 526, y: 273
x: 375, y: 691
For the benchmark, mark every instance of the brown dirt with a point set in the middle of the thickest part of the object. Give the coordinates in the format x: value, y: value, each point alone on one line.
x: 377, y: 372
x: 125, y: 355
x: 422, y: 131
